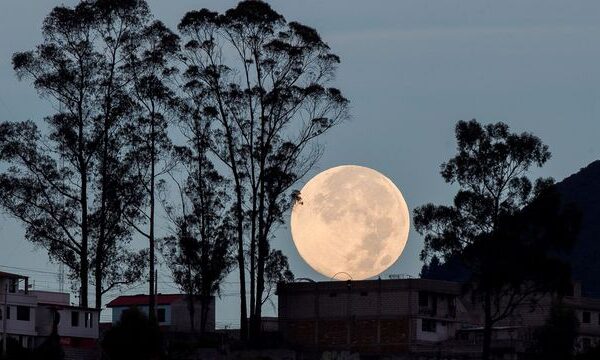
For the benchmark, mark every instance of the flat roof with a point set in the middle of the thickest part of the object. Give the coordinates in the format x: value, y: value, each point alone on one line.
x: 436, y: 286
x: 12, y: 276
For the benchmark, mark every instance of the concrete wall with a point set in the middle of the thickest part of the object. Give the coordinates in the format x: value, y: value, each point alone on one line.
x: 181, y: 316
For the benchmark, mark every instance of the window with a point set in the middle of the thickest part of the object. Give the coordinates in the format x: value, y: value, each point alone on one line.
x: 423, y: 299
x: 161, y: 315
x: 8, y: 312
x: 332, y: 294
x: 23, y: 313
x: 74, y: 318
x: 88, y: 320
x: 428, y: 325
x: 587, y: 317
x: 364, y: 293
x: 13, y: 285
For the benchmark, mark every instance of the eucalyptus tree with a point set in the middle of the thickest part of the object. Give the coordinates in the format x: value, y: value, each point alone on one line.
x: 199, y: 252
x: 114, y: 264
x: 149, y: 70
x: 263, y: 81
x: 65, y: 179
x: 47, y: 185
x: 505, y: 229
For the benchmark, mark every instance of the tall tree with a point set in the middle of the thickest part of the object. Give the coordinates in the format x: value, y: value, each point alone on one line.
x: 503, y: 229
x: 149, y: 68
x: 47, y: 186
x: 199, y: 252
x: 263, y: 81
x: 65, y: 182
x: 115, y: 201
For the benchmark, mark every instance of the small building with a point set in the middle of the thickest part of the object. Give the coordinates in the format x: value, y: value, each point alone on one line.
x: 29, y: 316
x: 172, y: 311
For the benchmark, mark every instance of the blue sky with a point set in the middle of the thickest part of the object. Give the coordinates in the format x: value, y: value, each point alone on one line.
x: 411, y: 69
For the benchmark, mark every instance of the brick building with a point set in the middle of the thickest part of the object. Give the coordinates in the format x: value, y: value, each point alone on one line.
x: 416, y: 318
x: 371, y: 316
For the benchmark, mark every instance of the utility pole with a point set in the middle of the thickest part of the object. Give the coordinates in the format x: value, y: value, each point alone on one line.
x: 4, y: 316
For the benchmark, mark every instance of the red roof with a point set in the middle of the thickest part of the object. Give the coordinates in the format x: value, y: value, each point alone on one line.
x: 135, y: 300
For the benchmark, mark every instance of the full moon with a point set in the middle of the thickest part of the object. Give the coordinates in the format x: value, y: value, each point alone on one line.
x: 350, y: 220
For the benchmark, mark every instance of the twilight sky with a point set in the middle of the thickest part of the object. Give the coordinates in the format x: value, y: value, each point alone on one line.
x: 411, y: 69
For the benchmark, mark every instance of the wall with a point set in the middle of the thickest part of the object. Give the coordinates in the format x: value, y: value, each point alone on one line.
x: 181, y: 316
x: 118, y: 311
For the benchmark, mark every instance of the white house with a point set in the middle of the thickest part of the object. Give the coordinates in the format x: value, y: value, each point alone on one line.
x: 28, y: 315
x: 171, y: 311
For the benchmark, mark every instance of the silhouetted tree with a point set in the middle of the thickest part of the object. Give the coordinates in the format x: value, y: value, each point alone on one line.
x: 134, y: 336
x: 262, y: 81
x: 277, y: 270
x: 116, y: 200
x: 505, y: 230
x: 199, y: 252
x: 67, y: 184
x: 149, y: 67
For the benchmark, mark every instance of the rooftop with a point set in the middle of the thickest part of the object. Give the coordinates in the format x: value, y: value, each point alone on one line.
x: 12, y: 276
x: 142, y: 299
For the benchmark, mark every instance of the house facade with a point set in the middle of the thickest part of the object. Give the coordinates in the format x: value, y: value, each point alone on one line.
x: 28, y: 315
x: 171, y: 311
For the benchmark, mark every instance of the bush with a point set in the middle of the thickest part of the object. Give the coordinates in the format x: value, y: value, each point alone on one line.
x: 133, y: 337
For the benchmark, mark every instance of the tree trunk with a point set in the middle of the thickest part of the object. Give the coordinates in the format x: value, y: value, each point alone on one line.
x: 487, y: 327
x: 205, y: 307
x: 192, y: 310
x: 84, y: 263
x: 151, y: 294
x: 241, y: 265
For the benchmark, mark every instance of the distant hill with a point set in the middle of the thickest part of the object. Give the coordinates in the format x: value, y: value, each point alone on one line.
x: 583, y: 190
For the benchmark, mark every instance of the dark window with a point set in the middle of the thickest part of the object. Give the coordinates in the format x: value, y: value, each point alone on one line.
x: 74, y: 318
x: 13, y: 285
x: 364, y: 293
x: 587, y: 317
x: 8, y: 312
x: 161, y: 315
x: 423, y: 299
x: 332, y: 294
x: 23, y: 313
x: 0, y: 314
x: 428, y: 325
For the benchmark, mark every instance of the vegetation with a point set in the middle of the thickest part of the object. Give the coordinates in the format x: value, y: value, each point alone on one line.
x: 134, y: 336
x: 504, y: 229
x: 249, y: 93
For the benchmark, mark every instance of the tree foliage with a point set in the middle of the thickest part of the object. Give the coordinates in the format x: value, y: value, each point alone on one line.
x: 199, y: 252
x: 263, y: 83
x: 64, y: 180
x: 134, y: 336
x: 506, y: 229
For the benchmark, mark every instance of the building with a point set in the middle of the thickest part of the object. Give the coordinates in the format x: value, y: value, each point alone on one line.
x: 171, y: 311
x: 371, y: 316
x: 419, y: 318
x: 28, y: 316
